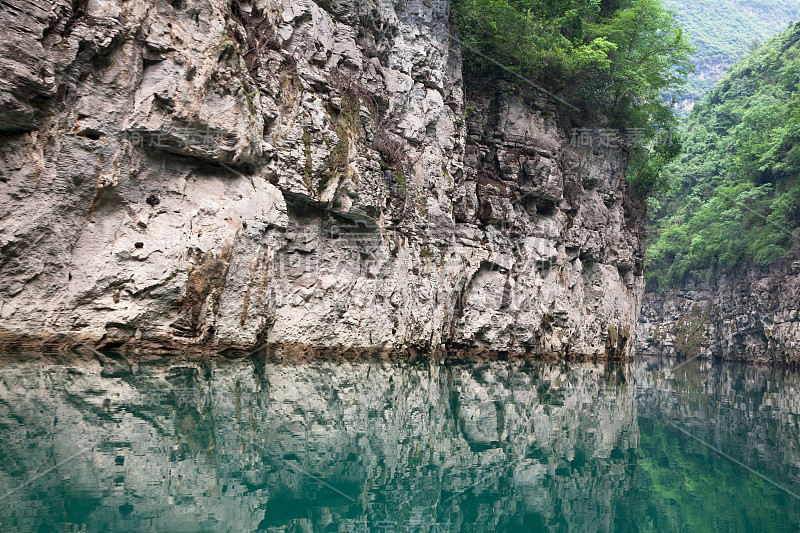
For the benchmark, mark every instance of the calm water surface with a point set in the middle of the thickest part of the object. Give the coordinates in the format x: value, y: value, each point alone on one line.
x: 495, y: 447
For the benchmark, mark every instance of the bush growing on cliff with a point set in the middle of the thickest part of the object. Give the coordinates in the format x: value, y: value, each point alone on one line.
x: 613, y: 56
x: 544, y: 40
x: 736, y: 194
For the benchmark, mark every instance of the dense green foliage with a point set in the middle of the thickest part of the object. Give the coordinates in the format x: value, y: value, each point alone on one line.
x: 613, y: 58
x: 724, y: 31
x: 736, y: 195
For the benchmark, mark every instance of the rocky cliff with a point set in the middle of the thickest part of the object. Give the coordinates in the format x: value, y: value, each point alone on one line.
x: 214, y: 176
x: 750, y: 315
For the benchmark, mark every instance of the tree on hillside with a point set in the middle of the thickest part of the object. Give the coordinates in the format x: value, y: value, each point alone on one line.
x: 736, y: 194
x: 613, y: 58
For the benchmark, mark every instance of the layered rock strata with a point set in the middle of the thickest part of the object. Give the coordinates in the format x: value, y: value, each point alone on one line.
x: 752, y: 315
x: 213, y: 176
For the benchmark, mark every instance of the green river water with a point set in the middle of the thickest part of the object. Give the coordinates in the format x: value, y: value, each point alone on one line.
x: 652, y: 446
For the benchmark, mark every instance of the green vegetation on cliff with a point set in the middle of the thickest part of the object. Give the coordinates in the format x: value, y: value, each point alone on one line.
x: 736, y: 188
x: 612, y: 58
x: 725, y: 31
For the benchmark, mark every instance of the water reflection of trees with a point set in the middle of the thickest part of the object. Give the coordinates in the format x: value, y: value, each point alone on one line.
x: 748, y: 411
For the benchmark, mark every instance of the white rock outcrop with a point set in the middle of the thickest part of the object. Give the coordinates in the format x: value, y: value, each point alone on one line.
x: 212, y: 176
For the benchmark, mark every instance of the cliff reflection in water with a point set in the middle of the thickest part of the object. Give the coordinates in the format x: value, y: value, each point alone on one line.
x: 317, y: 447
x: 719, y: 447
x: 493, y: 447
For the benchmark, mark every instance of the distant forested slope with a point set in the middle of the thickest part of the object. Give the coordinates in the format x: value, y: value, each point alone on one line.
x: 736, y: 187
x: 724, y: 31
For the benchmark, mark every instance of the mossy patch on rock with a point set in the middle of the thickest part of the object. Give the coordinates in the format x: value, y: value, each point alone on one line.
x: 690, y: 333
x: 617, y: 340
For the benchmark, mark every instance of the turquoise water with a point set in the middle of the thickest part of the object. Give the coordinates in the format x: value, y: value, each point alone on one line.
x: 650, y: 446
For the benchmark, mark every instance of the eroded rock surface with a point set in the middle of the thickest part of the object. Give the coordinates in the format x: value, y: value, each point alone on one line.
x: 213, y: 176
x: 752, y: 315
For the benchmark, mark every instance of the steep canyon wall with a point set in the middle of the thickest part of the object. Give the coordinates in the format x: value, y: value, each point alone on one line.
x: 750, y: 315
x: 214, y: 176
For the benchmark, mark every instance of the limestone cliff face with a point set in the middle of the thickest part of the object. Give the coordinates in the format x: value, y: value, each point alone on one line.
x: 212, y: 176
x: 753, y: 315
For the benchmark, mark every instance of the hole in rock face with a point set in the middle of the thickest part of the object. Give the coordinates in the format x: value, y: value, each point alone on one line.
x: 153, y: 200
x: 90, y: 133
x: 138, y: 245
x: 546, y: 208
